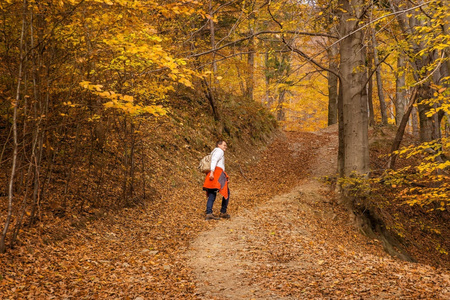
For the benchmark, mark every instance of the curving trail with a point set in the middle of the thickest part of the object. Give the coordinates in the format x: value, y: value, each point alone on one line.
x: 288, y: 238
x: 302, y: 244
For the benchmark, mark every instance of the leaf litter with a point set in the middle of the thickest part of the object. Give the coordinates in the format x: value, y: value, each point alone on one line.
x: 303, y: 244
x: 288, y: 238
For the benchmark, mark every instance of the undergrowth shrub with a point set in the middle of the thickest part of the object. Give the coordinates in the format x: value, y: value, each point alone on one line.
x: 411, y: 202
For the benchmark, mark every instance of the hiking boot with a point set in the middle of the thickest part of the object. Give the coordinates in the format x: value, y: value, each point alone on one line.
x: 224, y: 215
x: 211, y: 217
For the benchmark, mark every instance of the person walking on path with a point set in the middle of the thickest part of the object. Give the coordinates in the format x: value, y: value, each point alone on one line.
x: 217, y: 181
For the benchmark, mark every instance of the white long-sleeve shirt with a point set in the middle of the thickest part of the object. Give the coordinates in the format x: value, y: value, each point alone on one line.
x: 217, y: 159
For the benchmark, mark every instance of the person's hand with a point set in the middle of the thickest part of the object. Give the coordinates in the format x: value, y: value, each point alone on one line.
x: 211, y: 176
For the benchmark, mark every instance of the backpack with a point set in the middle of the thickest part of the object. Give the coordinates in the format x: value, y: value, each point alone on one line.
x: 205, y: 164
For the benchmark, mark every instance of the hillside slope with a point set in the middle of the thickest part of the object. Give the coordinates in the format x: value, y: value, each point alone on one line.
x: 288, y: 238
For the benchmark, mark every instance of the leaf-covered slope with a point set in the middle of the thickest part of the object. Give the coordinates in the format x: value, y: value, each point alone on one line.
x: 297, y: 245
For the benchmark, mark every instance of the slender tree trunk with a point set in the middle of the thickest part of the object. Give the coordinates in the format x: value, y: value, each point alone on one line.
x: 437, y: 123
x: 126, y: 160
x: 446, y: 30
x: 400, y: 84
x: 384, y: 118
x: 209, y: 95
x: 14, y: 129
x: 143, y: 171
x: 131, y: 175
x: 354, y: 92
x: 415, y: 122
x: 332, y: 86
x: 267, y: 82
x: 341, y: 147
x: 213, y: 35
x: 208, y: 87
x: 34, y: 135
x: 445, y: 72
x: 370, y: 90
x: 447, y: 125
x: 211, y: 99
x: 251, y: 67
x: 43, y: 110
x: 438, y: 74
x: 280, y: 111
x: 241, y: 80
x: 401, y: 130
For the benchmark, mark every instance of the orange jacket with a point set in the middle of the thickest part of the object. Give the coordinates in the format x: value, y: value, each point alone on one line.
x: 220, y: 182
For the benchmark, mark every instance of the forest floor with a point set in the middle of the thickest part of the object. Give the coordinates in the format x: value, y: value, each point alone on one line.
x: 303, y: 244
x: 289, y: 237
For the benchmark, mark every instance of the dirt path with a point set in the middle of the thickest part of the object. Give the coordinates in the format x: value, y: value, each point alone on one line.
x: 303, y: 245
x: 300, y: 244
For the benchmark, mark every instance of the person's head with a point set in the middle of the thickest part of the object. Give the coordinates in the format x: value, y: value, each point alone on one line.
x: 222, y: 145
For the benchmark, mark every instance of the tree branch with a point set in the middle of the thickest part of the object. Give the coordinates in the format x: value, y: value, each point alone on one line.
x: 257, y: 34
x: 401, y: 130
x: 301, y: 53
x: 375, y: 69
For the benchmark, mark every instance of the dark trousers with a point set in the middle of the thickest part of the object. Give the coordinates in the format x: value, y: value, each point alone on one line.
x: 211, y: 194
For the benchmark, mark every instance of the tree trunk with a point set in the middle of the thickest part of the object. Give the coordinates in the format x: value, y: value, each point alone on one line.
x: 251, y: 67
x: 429, y: 129
x: 354, y: 93
x: 384, y: 118
x: 370, y: 90
x: 401, y: 130
x: 211, y: 99
x: 341, y: 146
x: 446, y: 30
x: 213, y: 35
x: 268, y: 100
x: 426, y: 124
x: 400, y: 84
x: 14, y: 130
x: 332, y: 86
x: 415, y: 122
x: 280, y: 111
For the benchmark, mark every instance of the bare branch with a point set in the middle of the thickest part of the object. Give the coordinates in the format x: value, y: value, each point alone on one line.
x: 431, y: 74
x: 260, y: 33
x: 383, y: 17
